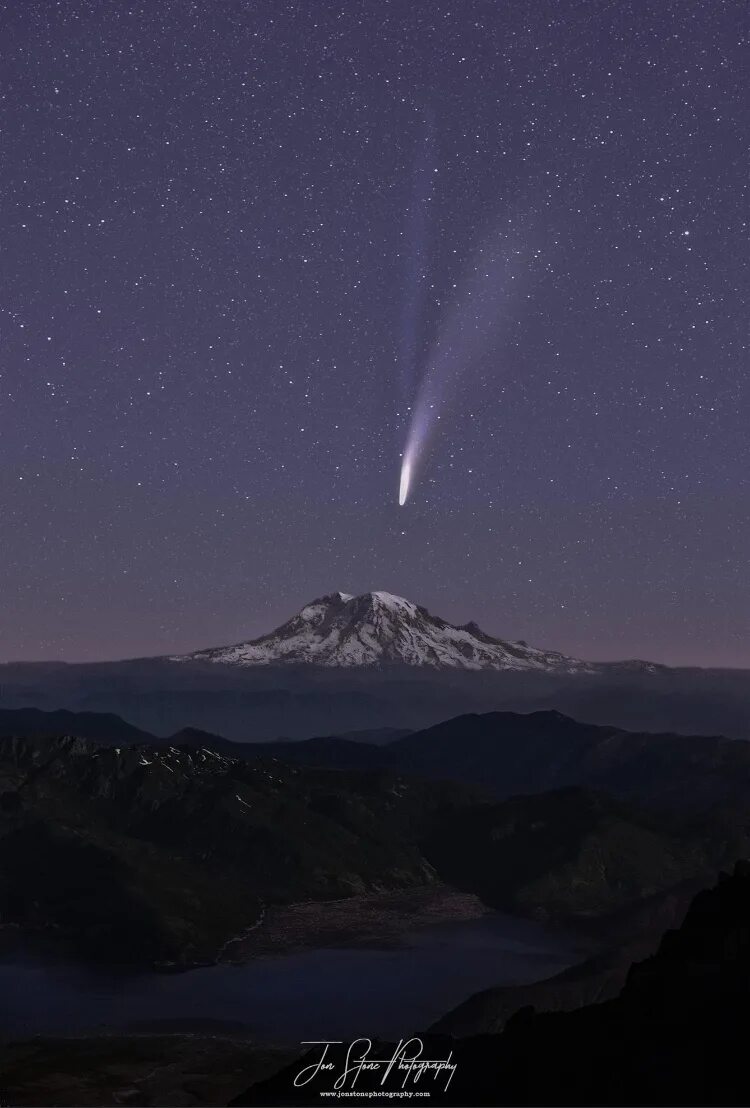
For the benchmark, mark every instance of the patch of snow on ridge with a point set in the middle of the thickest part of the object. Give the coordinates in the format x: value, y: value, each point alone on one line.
x: 395, y: 603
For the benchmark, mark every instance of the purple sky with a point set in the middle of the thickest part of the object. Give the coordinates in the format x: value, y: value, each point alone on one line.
x: 223, y: 240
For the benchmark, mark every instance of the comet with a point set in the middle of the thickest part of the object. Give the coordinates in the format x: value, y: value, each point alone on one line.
x: 465, y: 336
x: 403, y: 489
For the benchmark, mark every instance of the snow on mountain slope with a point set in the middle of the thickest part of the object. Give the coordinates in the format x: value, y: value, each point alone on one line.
x: 378, y: 628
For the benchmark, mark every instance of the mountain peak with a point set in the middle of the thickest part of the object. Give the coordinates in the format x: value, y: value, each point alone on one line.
x: 377, y: 597
x: 380, y: 628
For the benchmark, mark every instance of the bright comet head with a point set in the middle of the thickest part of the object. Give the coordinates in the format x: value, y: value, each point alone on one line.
x: 403, y: 490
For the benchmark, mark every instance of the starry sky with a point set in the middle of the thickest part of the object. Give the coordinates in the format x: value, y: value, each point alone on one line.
x: 230, y: 233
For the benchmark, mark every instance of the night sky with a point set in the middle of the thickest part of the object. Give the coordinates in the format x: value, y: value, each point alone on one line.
x: 231, y: 234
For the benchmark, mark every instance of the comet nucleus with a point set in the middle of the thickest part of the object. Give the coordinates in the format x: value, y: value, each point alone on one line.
x: 403, y: 490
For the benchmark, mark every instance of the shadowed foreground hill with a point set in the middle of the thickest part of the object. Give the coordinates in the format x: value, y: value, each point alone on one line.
x: 676, y: 1034
x: 145, y: 854
x: 571, y: 854
x: 148, y: 854
x: 632, y: 935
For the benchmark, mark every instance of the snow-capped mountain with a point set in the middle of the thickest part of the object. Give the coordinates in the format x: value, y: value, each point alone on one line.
x: 378, y: 628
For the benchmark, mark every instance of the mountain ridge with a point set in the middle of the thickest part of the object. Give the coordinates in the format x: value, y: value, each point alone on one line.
x: 379, y: 628
x: 152, y: 855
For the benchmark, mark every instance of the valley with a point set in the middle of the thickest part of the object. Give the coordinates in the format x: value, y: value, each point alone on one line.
x: 211, y: 902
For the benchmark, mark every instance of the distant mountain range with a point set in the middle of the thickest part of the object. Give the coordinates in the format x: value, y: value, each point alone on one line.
x: 504, y: 754
x: 378, y: 628
x: 508, y: 754
x: 145, y: 852
x: 376, y: 662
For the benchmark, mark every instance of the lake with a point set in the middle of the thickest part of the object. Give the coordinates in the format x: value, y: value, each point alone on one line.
x: 323, y: 993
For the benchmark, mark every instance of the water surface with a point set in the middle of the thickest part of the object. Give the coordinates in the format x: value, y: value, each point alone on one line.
x: 324, y: 993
